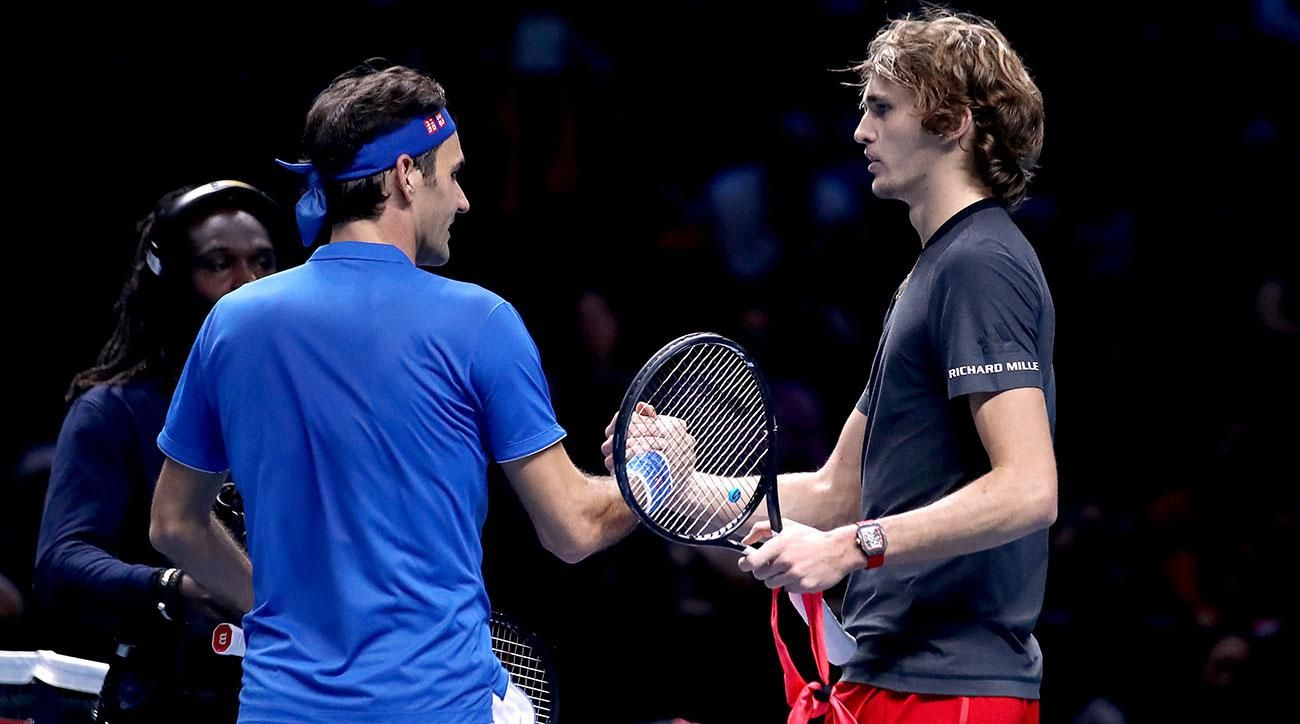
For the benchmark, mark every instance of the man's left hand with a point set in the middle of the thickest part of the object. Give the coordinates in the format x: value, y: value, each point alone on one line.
x: 800, y: 559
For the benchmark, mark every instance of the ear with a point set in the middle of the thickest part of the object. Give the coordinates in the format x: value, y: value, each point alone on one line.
x: 965, y: 127
x: 402, y: 184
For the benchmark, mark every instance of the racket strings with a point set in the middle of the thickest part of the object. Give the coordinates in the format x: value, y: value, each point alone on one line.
x: 715, y: 392
x: 737, y: 395
x: 703, y: 404
x: 704, y: 400
x: 526, y: 668
x: 701, y: 386
x: 724, y: 460
x: 731, y: 487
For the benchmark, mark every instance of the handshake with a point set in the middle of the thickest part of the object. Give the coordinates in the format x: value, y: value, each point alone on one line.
x: 658, y: 456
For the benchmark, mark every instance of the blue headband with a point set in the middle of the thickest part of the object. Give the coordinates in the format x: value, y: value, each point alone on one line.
x: 420, y: 136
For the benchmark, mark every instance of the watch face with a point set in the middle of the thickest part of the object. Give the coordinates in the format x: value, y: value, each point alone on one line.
x: 871, y: 539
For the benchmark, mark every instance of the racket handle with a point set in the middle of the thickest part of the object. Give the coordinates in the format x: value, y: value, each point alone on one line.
x: 840, y: 645
x: 228, y: 640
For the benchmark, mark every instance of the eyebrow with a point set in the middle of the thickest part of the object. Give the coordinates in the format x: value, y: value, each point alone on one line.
x: 876, y: 98
x: 223, y: 248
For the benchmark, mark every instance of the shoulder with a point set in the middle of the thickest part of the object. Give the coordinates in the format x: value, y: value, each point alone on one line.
x: 116, y: 409
x: 991, y: 244
x: 988, y: 229
x: 97, y: 402
x: 472, y: 304
x: 466, y: 293
x: 111, y: 399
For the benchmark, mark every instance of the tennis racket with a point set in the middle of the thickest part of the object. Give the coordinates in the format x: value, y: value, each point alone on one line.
x: 695, y: 450
x: 529, y: 664
x: 521, y: 653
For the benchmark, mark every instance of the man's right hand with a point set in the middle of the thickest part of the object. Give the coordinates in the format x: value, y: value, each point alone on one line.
x: 202, y: 611
x: 652, y: 431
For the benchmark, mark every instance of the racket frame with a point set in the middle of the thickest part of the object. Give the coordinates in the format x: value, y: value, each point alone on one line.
x: 766, y: 488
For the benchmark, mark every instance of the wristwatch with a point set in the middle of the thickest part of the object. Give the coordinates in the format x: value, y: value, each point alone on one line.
x: 871, y: 540
x: 169, y: 594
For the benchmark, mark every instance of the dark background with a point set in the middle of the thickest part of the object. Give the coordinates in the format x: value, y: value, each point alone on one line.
x: 640, y: 171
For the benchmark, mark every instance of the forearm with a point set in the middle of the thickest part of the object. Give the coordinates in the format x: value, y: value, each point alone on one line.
x: 605, y: 519
x: 991, y: 511
x: 832, y: 495
x: 207, y: 553
x: 812, y: 499
x: 575, y: 514
x: 997, y: 508
x: 1016, y: 498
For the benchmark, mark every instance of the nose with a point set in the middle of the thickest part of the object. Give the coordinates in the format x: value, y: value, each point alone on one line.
x: 462, y: 204
x: 242, y: 273
x: 863, y: 134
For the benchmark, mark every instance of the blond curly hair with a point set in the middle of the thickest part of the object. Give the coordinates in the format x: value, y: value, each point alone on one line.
x: 953, y: 61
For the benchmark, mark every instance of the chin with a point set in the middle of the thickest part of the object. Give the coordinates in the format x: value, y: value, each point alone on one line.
x: 433, y: 255
x: 433, y: 258
x: 882, y: 190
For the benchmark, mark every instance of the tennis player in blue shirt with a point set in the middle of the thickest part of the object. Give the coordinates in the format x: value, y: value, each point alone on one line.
x: 358, y: 400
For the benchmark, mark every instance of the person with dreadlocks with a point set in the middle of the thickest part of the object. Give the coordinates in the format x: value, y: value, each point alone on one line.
x: 102, y: 586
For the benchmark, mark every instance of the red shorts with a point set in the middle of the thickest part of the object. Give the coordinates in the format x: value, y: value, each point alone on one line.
x: 870, y: 705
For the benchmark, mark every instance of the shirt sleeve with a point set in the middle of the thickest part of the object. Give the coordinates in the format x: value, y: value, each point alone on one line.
x: 985, y: 321
x: 192, y: 435
x: 95, y: 480
x: 515, y: 402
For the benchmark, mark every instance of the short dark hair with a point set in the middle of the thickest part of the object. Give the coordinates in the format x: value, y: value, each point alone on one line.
x: 356, y: 107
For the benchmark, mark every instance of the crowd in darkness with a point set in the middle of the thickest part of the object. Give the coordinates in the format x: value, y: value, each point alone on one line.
x: 631, y: 184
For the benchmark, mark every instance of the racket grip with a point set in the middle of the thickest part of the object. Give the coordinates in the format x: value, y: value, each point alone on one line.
x: 840, y: 645
x: 228, y: 640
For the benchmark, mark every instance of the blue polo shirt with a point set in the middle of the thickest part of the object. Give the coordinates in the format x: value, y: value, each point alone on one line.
x: 357, y: 401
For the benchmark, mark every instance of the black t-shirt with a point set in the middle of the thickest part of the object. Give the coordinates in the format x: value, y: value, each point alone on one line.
x: 974, y: 315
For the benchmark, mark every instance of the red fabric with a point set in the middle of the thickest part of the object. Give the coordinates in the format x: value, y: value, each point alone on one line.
x: 854, y: 703
x: 867, y: 704
x: 799, y: 694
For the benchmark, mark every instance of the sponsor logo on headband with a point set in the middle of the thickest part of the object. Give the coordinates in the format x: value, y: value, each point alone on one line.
x: 434, y: 122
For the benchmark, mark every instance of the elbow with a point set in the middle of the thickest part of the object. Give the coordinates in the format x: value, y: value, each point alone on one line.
x: 49, y: 574
x: 1045, y: 505
x: 166, y: 536
x: 1047, y: 513
x: 570, y: 555
x: 571, y: 545
x: 1032, y: 500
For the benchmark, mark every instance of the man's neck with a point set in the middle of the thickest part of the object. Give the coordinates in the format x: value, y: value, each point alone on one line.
x: 375, y: 231
x: 930, y: 214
